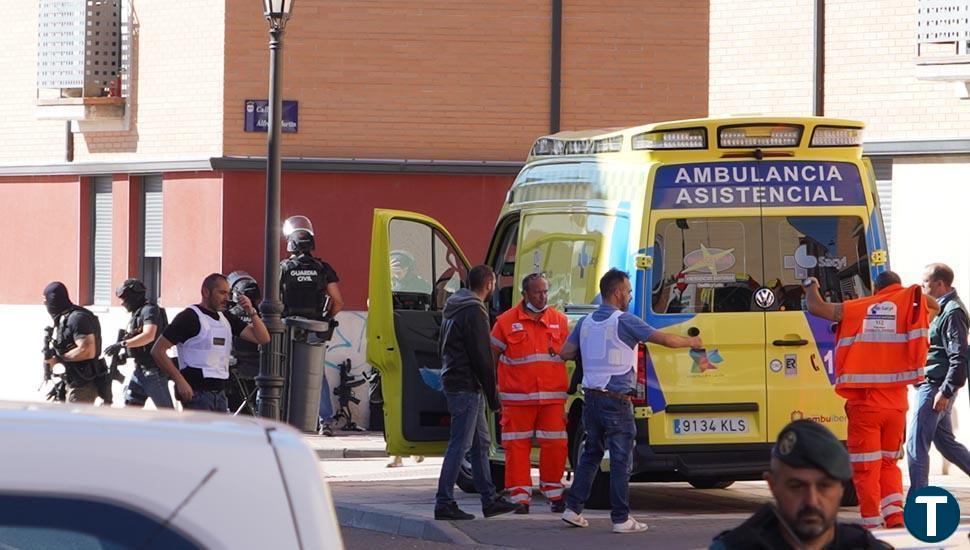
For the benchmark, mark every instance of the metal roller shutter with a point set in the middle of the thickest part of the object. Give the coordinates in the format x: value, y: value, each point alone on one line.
x: 102, y: 240
x: 884, y: 186
x: 153, y: 216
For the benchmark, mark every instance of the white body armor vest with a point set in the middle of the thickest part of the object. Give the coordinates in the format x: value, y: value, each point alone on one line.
x: 604, y: 354
x: 210, y: 349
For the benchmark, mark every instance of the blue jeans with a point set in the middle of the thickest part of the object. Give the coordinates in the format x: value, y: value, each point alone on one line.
x: 608, y: 421
x: 214, y: 401
x: 469, y: 430
x: 326, y: 405
x: 928, y: 426
x: 148, y: 383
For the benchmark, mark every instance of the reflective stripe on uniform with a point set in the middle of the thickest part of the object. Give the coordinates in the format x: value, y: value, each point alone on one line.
x: 543, y: 434
x: 893, y: 454
x: 891, y: 499
x: 552, y: 493
x: 498, y: 344
x: 890, y: 510
x: 535, y: 358
x: 532, y: 396
x: 891, y: 338
x: 872, y: 523
x: 520, y: 494
x: 510, y: 436
x: 880, y: 378
x: 865, y: 457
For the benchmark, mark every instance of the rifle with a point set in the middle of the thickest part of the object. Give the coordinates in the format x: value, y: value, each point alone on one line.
x: 49, y: 353
x: 118, y: 358
x: 345, y: 395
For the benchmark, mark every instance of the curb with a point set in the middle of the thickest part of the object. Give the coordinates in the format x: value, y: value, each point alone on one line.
x: 374, y: 519
x: 350, y: 453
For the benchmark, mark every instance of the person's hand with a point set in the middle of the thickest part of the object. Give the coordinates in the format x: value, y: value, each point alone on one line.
x: 113, y: 349
x: 810, y: 281
x: 941, y: 402
x: 247, y: 304
x: 184, y: 390
x: 694, y: 342
x: 51, y: 361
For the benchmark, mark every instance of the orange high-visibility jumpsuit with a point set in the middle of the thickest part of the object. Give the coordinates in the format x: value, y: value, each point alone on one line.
x: 881, y: 348
x: 532, y: 387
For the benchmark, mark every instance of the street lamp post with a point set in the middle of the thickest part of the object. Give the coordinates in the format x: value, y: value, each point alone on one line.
x: 270, y: 378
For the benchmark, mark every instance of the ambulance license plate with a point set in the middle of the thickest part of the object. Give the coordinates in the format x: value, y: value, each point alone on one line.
x: 711, y: 425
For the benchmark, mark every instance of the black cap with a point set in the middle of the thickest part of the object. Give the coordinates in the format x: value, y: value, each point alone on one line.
x: 808, y: 444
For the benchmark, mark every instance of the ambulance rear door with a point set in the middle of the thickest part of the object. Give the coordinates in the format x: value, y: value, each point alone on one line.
x: 415, y: 266
x: 817, y: 223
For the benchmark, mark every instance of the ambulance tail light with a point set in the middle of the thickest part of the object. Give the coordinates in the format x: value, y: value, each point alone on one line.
x: 759, y: 135
x: 836, y: 136
x: 640, y: 399
x: 686, y: 138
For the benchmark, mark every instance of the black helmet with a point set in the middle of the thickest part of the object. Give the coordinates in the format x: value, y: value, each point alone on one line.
x: 132, y: 293
x: 241, y: 281
x: 131, y: 287
x: 298, y: 232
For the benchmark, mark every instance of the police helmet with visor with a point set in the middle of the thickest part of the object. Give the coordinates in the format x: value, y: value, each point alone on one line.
x: 298, y: 232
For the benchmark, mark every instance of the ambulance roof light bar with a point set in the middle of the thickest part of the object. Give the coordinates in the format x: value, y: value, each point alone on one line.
x: 759, y: 135
x: 681, y: 138
x: 836, y: 136
x: 547, y: 146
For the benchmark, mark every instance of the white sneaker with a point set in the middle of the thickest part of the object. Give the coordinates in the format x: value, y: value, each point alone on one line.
x: 574, y: 519
x: 629, y: 526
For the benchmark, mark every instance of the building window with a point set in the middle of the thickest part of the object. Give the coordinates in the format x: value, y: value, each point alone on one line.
x: 101, y: 251
x: 152, y: 231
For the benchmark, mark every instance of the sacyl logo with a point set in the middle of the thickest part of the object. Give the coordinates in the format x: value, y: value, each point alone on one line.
x: 931, y: 514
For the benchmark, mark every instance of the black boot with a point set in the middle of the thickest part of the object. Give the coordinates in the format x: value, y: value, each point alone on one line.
x: 498, y: 507
x: 451, y: 512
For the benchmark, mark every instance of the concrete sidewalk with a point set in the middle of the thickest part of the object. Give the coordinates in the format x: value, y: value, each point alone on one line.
x: 348, y: 445
x: 679, y: 516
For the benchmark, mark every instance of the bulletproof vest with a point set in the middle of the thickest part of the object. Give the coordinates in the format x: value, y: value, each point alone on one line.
x: 143, y: 355
x: 937, y: 359
x: 303, y: 287
x: 243, y: 349
x: 64, y: 342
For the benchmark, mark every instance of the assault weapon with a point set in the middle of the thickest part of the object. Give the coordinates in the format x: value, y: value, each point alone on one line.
x: 118, y: 358
x: 49, y: 353
x: 345, y: 396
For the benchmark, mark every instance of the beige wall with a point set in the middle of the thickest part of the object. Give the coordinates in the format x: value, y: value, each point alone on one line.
x: 23, y: 138
x: 177, y: 92
x: 177, y: 96
x: 761, y: 61
x: 761, y: 57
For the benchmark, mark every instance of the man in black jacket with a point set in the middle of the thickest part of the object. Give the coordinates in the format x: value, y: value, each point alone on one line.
x: 809, y: 467
x: 469, y: 380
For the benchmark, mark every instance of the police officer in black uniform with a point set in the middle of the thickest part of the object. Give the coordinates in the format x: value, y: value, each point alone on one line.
x: 309, y: 289
x: 144, y: 328
x: 809, y: 467
x: 245, y: 353
x: 76, y: 342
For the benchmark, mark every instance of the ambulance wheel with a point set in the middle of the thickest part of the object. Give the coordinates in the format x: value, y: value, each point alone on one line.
x: 849, y: 496
x: 709, y: 483
x: 467, y: 484
x: 599, y: 492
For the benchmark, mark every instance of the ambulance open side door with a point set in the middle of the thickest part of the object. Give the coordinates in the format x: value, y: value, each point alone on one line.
x: 415, y: 266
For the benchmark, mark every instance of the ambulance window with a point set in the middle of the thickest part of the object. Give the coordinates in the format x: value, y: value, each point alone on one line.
x: 829, y: 248
x: 710, y: 265
x: 412, y: 263
x: 506, y: 287
x: 449, y: 271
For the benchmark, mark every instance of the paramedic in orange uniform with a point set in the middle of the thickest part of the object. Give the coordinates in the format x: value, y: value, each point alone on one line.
x: 880, y: 349
x: 532, y: 387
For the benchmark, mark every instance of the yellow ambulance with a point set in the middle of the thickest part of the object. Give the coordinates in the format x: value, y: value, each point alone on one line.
x: 718, y: 221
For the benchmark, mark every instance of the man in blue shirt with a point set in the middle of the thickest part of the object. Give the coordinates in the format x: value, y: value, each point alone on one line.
x: 607, y: 341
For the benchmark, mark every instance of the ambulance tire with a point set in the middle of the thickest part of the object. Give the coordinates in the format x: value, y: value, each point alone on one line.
x: 466, y: 484
x: 849, y: 496
x: 709, y: 483
x: 599, y: 492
